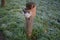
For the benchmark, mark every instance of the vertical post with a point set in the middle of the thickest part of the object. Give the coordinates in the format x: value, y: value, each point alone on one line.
x: 30, y: 13
x: 2, y: 3
x: 1, y: 35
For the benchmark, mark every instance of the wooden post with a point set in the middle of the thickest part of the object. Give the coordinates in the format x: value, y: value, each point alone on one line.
x: 2, y: 3
x: 30, y: 13
x: 29, y: 25
x: 1, y: 35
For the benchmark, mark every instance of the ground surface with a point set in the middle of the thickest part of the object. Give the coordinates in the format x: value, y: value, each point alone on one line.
x: 46, y: 22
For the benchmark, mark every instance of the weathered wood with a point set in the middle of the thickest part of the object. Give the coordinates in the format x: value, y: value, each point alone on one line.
x: 2, y: 3
x: 31, y: 10
x: 29, y: 25
x: 1, y: 35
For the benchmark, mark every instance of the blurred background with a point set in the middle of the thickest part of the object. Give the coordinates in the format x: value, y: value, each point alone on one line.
x: 46, y: 23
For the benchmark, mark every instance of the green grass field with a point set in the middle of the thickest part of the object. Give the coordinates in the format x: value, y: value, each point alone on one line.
x: 46, y: 23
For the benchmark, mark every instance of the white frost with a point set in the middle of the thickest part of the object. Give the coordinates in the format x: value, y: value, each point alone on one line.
x: 27, y: 15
